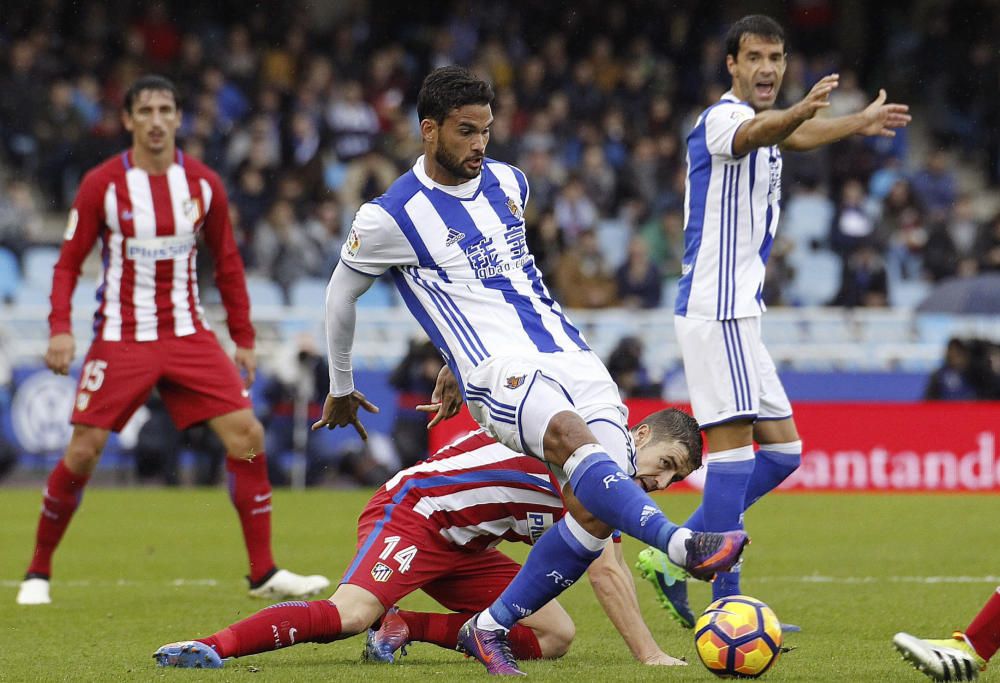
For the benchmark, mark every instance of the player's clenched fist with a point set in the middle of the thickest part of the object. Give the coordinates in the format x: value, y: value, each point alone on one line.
x: 59, y: 355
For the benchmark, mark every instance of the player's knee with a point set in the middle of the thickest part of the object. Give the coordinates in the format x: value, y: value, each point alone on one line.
x: 556, y: 641
x: 565, y: 433
x: 84, y: 449
x: 245, y: 438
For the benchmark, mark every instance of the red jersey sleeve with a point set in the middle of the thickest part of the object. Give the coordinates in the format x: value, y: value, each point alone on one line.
x: 229, y: 275
x: 82, y: 228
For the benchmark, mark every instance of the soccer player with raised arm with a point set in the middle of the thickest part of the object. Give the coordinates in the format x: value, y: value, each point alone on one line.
x: 434, y: 527
x: 732, y: 206
x: 450, y: 232
x: 148, y: 205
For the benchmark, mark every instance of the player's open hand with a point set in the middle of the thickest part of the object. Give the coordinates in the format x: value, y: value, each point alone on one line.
x: 446, y: 400
x: 59, y: 355
x: 246, y: 361
x: 663, y: 659
x: 882, y: 119
x: 819, y: 97
x: 340, y: 411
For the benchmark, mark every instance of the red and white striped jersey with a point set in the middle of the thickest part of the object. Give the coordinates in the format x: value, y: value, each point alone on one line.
x: 148, y: 225
x: 476, y: 492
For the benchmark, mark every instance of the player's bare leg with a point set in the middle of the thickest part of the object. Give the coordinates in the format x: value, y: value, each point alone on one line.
x: 61, y: 497
x: 250, y: 490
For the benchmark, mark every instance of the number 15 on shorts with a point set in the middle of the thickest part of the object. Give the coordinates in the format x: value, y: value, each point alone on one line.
x: 404, y: 557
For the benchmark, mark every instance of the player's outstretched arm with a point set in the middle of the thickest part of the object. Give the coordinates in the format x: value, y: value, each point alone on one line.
x: 878, y: 118
x: 614, y: 587
x: 777, y: 125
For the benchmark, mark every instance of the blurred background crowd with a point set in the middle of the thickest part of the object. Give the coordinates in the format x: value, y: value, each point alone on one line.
x: 306, y: 109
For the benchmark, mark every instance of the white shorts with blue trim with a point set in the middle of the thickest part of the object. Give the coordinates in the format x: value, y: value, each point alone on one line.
x: 498, y: 391
x: 730, y: 374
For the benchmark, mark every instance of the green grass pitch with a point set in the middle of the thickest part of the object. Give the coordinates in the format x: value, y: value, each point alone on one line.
x: 142, y: 567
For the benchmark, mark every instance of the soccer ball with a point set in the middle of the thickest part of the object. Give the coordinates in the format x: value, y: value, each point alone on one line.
x: 738, y: 637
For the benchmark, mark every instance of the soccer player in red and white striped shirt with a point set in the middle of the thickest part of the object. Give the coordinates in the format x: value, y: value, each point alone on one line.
x: 147, y: 206
x: 434, y: 527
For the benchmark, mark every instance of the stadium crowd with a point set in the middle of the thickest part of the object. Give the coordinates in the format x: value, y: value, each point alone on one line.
x: 307, y: 110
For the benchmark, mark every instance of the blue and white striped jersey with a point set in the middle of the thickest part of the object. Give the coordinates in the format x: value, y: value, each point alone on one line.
x: 731, y: 209
x: 459, y: 259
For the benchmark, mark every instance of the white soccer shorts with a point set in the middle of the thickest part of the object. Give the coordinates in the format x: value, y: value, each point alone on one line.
x: 730, y: 374
x: 514, y: 398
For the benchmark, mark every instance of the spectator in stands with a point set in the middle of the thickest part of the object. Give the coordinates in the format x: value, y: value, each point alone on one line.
x: 988, y: 246
x: 952, y: 381
x: 582, y: 276
x: 964, y: 230
x: 853, y: 224
x: 664, y: 238
x: 58, y: 130
x: 546, y: 242
x: 282, y: 249
x: 629, y: 372
x: 324, y: 230
x: 414, y: 379
x: 20, y: 220
x: 638, y: 279
x: 808, y: 214
x: 864, y: 282
x: 293, y: 396
x: 575, y: 212
x: 936, y: 184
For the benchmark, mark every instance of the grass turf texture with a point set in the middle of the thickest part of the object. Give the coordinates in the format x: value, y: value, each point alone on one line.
x: 142, y: 567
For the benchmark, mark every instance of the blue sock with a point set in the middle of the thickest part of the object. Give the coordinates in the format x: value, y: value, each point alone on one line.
x: 696, y: 522
x: 722, y: 510
x: 770, y: 469
x: 725, y: 584
x: 611, y: 496
x: 555, y: 562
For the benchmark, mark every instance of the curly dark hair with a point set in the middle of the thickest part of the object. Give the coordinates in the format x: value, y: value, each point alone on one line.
x: 752, y: 25
x: 677, y: 425
x: 448, y: 88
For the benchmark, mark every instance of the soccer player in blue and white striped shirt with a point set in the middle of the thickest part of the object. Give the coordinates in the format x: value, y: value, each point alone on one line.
x: 450, y: 231
x: 732, y: 205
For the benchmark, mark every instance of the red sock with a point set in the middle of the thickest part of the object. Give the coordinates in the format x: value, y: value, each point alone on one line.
x: 438, y: 629
x: 62, y: 495
x: 524, y: 643
x: 278, y: 626
x: 250, y: 491
x: 984, y: 631
x: 442, y: 630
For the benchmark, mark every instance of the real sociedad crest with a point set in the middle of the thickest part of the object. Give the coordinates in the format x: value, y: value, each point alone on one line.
x: 515, y: 381
x: 514, y: 210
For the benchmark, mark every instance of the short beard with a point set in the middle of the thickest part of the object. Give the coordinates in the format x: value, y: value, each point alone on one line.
x: 453, y: 165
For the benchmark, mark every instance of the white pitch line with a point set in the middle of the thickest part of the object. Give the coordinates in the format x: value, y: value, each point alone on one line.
x: 812, y: 578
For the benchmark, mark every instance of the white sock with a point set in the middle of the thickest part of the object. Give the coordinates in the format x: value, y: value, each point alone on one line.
x: 676, y: 550
x: 485, y: 620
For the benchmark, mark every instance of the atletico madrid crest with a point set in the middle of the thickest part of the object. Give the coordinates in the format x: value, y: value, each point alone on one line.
x: 381, y: 572
x: 192, y: 209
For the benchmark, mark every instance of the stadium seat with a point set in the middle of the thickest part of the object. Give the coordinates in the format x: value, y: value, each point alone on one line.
x: 309, y: 292
x: 936, y: 328
x: 38, y: 265
x: 379, y: 295
x: 10, y: 275
x: 817, y: 278
x: 264, y: 292
x: 908, y: 293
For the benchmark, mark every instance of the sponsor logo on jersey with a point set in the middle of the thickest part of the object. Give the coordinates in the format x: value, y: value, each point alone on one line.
x: 515, y: 381
x: 192, y: 209
x: 159, y: 248
x: 71, y: 223
x: 381, y: 572
x: 454, y: 236
x: 353, y: 242
x: 82, y: 401
x: 538, y: 523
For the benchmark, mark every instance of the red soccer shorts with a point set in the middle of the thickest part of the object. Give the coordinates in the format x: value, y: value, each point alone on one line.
x: 196, y: 379
x: 400, y: 551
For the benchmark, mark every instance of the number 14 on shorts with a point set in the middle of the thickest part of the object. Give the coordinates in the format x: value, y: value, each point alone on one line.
x: 403, y: 558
